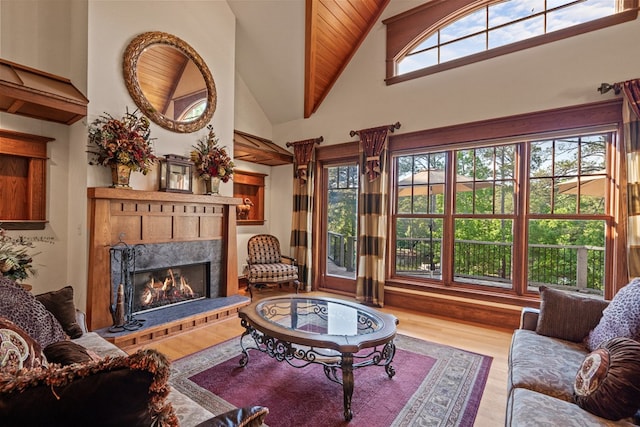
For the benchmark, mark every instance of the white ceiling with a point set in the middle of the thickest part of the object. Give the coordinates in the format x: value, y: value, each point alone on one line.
x: 270, y: 52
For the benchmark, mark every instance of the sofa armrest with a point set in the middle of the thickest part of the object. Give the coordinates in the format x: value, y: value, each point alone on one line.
x: 81, y: 319
x: 529, y: 318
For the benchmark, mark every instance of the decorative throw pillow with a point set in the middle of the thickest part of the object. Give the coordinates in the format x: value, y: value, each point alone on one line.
x: 22, y: 308
x: 66, y: 353
x: 620, y: 319
x: 120, y: 391
x: 17, y: 349
x: 608, y: 381
x: 567, y: 316
x: 60, y: 304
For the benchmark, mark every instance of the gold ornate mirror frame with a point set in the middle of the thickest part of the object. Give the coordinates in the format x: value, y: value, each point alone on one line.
x: 130, y: 68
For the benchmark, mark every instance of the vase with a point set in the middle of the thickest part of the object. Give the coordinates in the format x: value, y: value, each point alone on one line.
x: 120, y: 175
x: 212, y: 185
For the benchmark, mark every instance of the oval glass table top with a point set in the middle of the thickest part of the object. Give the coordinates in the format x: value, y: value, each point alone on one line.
x: 169, y: 82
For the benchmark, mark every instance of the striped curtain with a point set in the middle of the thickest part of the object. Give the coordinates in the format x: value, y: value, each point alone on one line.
x: 631, y: 119
x: 372, y: 214
x: 301, y: 221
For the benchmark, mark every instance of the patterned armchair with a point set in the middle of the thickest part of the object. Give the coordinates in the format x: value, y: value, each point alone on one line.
x: 267, y: 266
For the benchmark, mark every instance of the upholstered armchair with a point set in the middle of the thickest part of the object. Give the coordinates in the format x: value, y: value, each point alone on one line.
x: 266, y: 264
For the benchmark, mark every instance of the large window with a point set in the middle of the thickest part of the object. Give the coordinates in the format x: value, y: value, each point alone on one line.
x: 464, y: 215
x: 437, y: 36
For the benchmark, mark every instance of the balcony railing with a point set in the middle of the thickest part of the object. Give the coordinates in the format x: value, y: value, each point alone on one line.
x: 571, y: 266
x: 342, y: 250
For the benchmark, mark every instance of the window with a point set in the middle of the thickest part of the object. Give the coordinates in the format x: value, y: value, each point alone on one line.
x: 194, y: 111
x: 463, y: 215
x: 436, y: 36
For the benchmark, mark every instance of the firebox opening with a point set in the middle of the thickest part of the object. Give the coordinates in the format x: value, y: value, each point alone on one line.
x: 165, y: 286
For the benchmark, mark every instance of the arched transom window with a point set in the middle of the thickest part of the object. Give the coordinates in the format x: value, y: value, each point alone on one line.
x: 485, y: 29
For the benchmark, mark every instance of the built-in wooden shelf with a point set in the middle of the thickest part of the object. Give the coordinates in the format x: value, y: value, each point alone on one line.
x: 250, y: 185
x: 23, y: 180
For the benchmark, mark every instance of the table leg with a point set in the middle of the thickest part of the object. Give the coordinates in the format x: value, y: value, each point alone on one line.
x: 347, y: 384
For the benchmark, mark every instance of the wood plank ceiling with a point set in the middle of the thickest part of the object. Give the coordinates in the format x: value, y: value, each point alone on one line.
x: 334, y: 32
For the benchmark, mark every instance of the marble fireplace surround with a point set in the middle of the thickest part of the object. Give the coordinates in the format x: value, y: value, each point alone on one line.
x: 158, y: 256
x: 149, y: 218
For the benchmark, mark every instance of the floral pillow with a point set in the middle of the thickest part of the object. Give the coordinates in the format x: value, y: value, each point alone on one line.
x: 620, y: 319
x: 17, y: 349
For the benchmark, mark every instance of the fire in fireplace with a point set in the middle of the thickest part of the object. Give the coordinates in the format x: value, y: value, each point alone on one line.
x: 161, y: 287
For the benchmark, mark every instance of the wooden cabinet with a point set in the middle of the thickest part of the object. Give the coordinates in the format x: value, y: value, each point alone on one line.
x: 249, y: 186
x: 23, y: 179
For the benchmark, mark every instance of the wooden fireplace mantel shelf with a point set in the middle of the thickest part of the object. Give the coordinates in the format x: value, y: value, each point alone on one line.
x: 158, y: 196
x: 136, y: 217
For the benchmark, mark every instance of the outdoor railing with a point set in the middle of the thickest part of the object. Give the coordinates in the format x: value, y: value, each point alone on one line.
x: 572, y: 266
x: 342, y: 250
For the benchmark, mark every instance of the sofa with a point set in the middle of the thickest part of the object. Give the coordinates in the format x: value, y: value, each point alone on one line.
x: 54, y: 372
x: 551, y: 362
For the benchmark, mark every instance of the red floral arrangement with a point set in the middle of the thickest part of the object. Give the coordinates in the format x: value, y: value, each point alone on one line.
x: 125, y: 141
x: 210, y: 159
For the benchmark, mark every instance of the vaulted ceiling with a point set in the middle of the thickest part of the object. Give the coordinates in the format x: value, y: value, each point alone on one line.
x: 334, y: 31
x: 289, y: 53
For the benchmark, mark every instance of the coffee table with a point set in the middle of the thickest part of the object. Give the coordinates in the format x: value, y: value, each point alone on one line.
x: 338, y: 334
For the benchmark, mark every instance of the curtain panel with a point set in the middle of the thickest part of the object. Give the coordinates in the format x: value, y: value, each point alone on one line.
x: 372, y: 214
x: 303, y: 203
x: 631, y: 120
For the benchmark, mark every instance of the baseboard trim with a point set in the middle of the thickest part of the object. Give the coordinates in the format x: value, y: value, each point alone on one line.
x: 504, y: 316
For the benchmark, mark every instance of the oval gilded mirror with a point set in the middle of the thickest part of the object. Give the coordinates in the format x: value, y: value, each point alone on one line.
x: 169, y: 82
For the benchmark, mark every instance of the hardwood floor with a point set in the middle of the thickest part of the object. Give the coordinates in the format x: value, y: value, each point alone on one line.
x: 479, y: 339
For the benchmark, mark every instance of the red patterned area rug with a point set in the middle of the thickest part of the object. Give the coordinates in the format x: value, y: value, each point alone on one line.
x: 434, y: 385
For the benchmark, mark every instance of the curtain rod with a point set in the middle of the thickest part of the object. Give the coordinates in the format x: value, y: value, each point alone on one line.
x: 606, y: 87
x: 391, y: 128
x: 306, y: 141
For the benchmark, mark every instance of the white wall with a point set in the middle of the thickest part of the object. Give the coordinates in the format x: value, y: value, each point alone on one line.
x: 249, y: 116
x: 208, y: 26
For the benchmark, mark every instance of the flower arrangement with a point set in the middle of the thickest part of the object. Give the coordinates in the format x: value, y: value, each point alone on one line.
x: 211, y: 160
x: 124, y: 141
x: 15, y: 261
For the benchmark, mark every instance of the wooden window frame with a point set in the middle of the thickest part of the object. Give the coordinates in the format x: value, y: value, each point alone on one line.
x: 607, y: 113
x: 404, y: 29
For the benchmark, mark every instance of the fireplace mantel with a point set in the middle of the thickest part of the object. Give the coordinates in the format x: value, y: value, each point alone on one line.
x: 136, y: 217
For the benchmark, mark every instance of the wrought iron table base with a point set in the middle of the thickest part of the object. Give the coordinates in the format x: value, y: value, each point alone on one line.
x: 332, y: 361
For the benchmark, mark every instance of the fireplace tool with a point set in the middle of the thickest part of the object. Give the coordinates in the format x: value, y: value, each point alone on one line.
x: 122, y: 310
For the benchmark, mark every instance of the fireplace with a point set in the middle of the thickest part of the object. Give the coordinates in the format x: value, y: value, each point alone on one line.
x: 169, y: 231
x: 158, y: 288
x: 160, y: 275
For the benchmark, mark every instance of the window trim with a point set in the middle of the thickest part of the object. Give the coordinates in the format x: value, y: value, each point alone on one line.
x: 588, y: 116
x: 404, y: 29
